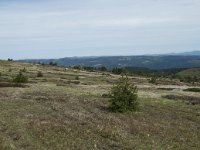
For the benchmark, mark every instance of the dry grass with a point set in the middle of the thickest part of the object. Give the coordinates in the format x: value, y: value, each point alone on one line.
x: 10, y: 84
x: 75, y: 116
x: 190, y: 99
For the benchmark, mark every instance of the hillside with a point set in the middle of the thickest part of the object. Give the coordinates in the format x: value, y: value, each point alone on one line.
x: 151, y: 62
x: 65, y: 109
x: 193, y: 72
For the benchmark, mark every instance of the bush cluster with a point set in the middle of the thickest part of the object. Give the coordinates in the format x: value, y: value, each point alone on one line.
x: 190, y: 79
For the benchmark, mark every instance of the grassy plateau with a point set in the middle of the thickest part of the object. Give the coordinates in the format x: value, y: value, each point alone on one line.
x: 64, y: 110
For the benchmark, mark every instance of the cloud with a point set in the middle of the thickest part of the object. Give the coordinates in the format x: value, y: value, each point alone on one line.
x: 99, y: 24
x: 131, y: 22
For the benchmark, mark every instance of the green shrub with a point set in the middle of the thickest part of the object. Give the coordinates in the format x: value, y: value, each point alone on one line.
x: 20, y: 78
x: 119, y: 71
x: 39, y: 74
x: 192, y: 90
x: 153, y: 80
x: 77, y: 78
x: 124, y: 96
x: 105, y: 95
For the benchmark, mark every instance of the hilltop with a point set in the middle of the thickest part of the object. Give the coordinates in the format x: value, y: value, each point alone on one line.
x: 68, y: 109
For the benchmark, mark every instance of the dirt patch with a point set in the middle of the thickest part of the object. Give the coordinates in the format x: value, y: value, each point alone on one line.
x: 190, y: 99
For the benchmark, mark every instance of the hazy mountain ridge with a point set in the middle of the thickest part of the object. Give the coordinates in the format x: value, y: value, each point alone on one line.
x: 193, y: 53
x: 178, y: 60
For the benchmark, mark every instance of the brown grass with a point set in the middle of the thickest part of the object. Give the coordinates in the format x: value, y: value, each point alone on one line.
x: 10, y: 84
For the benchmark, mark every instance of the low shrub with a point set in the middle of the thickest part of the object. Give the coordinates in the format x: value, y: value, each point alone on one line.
x: 39, y: 74
x: 192, y: 90
x: 20, y: 78
x: 105, y: 95
x: 124, y: 96
x: 77, y: 78
x: 153, y: 80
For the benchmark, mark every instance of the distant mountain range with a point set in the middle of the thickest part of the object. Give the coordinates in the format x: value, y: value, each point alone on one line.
x: 193, y: 53
x: 173, y: 60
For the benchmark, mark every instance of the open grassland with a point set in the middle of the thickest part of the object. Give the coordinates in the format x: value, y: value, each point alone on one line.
x: 65, y: 109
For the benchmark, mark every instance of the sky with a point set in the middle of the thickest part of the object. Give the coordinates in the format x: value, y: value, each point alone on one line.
x: 66, y: 28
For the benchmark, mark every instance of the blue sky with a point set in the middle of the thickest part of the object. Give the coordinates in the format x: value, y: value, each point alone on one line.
x: 64, y: 28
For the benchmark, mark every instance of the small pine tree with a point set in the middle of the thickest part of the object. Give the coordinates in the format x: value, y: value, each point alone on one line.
x: 20, y: 78
x: 124, y: 96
